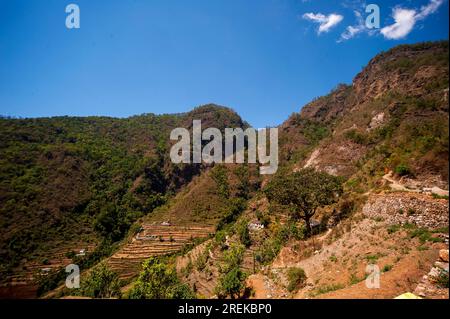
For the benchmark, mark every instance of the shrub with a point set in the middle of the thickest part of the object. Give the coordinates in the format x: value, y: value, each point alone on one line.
x: 357, y: 137
x: 101, y: 283
x: 243, y: 233
x: 424, y: 235
x: 231, y: 284
x: 202, y: 259
x: 402, y: 170
x: 158, y: 280
x: 296, y: 279
x: 263, y: 218
x: 393, y: 228
x: 233, y: 257
x: 70, y: 254
x: 387, y: 268
x: 235, y: 207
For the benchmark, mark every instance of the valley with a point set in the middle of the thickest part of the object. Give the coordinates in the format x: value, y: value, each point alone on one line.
x: 102, y: 193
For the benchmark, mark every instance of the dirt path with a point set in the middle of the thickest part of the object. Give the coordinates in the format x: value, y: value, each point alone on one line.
x: 398, y: 186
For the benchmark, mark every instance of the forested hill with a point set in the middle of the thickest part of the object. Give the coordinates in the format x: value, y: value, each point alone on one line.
x: 68, y: 181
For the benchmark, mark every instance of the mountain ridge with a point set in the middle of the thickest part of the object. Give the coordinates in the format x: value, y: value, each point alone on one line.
x: 113, y: 175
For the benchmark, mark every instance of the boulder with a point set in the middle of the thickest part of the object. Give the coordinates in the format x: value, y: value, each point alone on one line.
x: 443, y: 255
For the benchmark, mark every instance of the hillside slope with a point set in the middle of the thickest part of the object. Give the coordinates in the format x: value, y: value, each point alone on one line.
x: 79, y: 183
x: 387, y: 135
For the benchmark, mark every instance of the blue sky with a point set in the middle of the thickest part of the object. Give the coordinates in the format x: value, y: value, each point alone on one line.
x: 263, y: 58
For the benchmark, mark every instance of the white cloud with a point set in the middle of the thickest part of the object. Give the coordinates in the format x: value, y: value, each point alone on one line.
x: 429, y: 8
x: 353, y: 30
x: 325, y: 22
x: 405, y: 19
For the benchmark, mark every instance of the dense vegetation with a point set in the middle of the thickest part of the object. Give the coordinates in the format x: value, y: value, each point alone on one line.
x: 69, y: 181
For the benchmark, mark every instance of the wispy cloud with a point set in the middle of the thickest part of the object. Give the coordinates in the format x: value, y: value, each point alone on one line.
x: 353, y: 30
x: 429, y: 8
x: 326, y: 22
x: 405, y: 19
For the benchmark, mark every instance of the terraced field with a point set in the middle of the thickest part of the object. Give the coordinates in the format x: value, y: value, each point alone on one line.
x: 22, y: 284
x: 154, y: 240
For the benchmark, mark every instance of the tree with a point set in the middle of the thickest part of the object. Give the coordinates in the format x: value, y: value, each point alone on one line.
x: 158, y: 280
x: 101, y: 283
x: 303, y: 192
x: 243, y: 233
x: 232, y: 283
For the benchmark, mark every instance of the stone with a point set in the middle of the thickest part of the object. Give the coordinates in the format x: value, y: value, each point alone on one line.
x: 434, y: 274
x: 441, y: 265
x: 443, y: 255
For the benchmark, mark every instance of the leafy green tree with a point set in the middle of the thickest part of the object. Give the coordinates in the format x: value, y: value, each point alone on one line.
x: 233, y: 257
x: 101, y: 283
x: 231, y: 284
x: 243, y: 233
x: 303, y: 192
x: 158, y: 280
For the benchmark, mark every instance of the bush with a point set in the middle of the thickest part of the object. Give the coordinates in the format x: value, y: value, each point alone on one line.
x: 357, y: 137
x: 296, y: 279
x: 263, y: 218
x: 233, y: 257
x: 202, y: 259
x: 101, y: 283
x: 158, y: 280
x: 231, y: 284
x: 235, y: 207
x: 387, y: 268
x: 243, y: 233
x: 70, y: 254
x: 402, y: 170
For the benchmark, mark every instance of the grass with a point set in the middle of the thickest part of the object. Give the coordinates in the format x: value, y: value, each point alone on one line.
x: 327, y: 288
x: 372, y: 259
x: 436, y: 196
x: 393, y: 229
x: 354, y: 279
x: 424, y: 235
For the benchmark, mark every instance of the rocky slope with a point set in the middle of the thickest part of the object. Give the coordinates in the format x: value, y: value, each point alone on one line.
x: 392, y: 121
